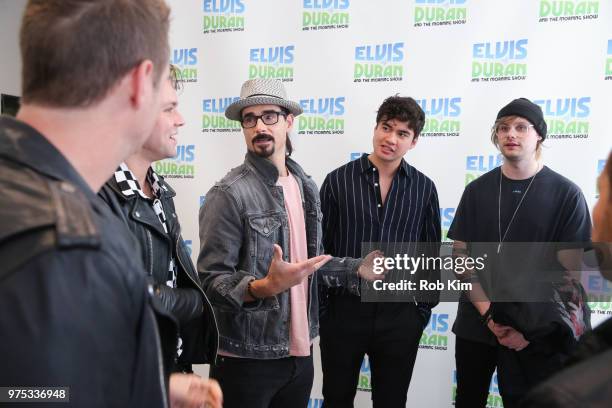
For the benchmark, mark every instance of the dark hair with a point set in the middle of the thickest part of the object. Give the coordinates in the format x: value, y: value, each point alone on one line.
x: 403, y: 109
x: 74, y: 51
x: 288, y: 145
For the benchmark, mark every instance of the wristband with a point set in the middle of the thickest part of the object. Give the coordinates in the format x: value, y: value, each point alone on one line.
x: 486, y: 317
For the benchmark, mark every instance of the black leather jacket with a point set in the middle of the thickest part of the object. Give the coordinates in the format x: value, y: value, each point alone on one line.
x: 75, y: 309
x: 187, y: 303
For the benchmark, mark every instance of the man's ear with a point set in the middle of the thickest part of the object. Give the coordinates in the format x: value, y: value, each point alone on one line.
x: 290, y: 119
x: 141, y: 83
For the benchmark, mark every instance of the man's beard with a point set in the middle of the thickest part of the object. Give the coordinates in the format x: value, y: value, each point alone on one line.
x: 263, y: 152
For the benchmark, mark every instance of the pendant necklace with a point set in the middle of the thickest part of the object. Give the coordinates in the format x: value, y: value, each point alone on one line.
x: 502, y: 238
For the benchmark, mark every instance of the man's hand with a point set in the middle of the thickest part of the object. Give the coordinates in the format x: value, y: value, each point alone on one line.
x: 283, y: 275
x: 513, y: 340
x: 193, y: 391
x: 498, y: 330
x: 366, y: 269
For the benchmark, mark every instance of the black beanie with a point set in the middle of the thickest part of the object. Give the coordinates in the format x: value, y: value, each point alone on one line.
x: 524, y: 108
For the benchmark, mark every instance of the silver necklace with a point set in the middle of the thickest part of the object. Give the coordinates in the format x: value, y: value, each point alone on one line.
x: 501, y: 239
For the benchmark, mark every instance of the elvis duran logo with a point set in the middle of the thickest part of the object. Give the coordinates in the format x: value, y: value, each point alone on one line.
x: 499, y: 61
x: 494, y: 400
x: 567, y: 118
x: 272, y: 62
x: 322, y: 116
x: 446, y: 218
x: 186, y: 59
x: 379, y: 62
x: 476, y: 166
x: 315, y: 403
x: 428, y: 13
x: 222, y: 16
x: 189, y: 245
x: 213, y: 115
x: 325, y: 14
x: 180, y: 166
x: 365, y: 376
x: 568, y: 10
x: 609, y: 62
x: 599, y: 292
x: 441, y: 116
x: 356, y: 155
x: 435, y: 334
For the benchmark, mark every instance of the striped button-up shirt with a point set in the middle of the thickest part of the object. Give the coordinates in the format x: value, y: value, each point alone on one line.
x: 353, y: 211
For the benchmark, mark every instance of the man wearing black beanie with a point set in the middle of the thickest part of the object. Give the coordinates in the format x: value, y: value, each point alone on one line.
x: 521, y: 201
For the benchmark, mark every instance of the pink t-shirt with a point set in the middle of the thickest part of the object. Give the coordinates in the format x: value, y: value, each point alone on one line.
x: 299, y: 336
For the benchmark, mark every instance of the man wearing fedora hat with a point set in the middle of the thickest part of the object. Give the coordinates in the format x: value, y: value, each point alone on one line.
x: 522, y: 201
x: 260, y: 246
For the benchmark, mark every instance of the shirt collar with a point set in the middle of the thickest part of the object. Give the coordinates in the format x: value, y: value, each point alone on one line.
x: 368, y: 167
x: 129, y: 185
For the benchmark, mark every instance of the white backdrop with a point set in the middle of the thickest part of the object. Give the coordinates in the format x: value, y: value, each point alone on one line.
x: 462, y: 59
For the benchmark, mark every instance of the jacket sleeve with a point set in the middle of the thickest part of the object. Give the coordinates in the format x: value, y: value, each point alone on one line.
x: 184, y: 303
x: 221, y: 229
x: 341, y: 272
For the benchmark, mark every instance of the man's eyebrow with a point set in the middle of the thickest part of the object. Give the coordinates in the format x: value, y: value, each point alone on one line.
x: 266, y: 111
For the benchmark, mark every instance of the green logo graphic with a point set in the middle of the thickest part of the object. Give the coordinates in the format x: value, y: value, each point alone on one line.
x: 561, y: 11
x: 444, y: 13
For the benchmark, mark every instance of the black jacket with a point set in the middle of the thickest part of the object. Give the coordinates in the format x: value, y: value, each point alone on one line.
x: 187, y: 302
x: 586, y: 382
x: 75, y: 309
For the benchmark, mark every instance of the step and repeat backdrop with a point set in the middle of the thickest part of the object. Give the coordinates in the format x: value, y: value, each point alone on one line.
x: 462, y: 60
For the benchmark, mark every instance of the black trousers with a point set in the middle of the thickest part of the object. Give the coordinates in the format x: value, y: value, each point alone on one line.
x: 475, y: 362
x: 388, y: 333
x: 520, y: 371
x: 252, y: 383
x: 517, y: 371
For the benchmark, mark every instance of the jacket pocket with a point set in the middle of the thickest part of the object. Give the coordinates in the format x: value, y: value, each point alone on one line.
x: 264, y: 232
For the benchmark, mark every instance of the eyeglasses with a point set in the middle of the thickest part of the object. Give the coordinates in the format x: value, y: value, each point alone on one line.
x: 268, y: 118
x: 520, y: 128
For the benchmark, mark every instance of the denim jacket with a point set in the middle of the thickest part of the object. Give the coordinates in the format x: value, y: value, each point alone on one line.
x: 241, y: 220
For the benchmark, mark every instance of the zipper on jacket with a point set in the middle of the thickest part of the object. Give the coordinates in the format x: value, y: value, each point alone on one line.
x: 178, y: 237
x: 150, y: 242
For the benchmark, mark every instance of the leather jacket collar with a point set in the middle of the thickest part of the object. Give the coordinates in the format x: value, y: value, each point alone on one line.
x: 23, y: 144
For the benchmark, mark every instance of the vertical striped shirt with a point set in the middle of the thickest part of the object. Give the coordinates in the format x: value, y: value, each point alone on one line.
x: 353, y: 211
